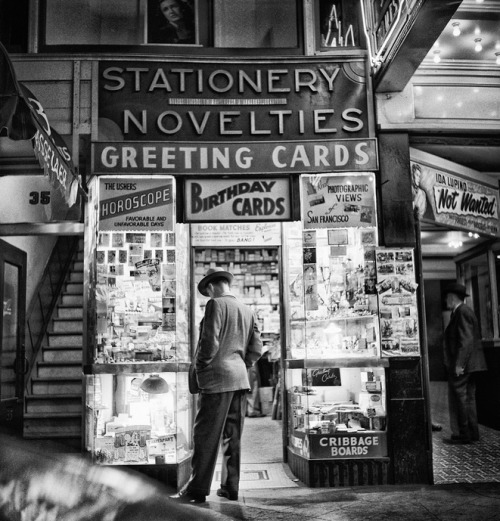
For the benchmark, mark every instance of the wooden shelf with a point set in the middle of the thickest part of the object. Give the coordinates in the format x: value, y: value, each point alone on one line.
x: 316, y: 363
x: 136, y: 367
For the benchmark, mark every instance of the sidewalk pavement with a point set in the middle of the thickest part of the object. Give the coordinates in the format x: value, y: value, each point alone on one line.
x: 454, y: 502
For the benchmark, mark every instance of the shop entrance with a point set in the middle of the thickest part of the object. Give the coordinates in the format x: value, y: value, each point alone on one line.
x: 12, y: 356
x: 447, y: 255
x: 256, y: 282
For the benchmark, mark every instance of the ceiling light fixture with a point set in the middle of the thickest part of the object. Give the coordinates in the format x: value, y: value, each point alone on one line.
x: 478, y: 47
x: 456, y: 29
x: 437, y: 58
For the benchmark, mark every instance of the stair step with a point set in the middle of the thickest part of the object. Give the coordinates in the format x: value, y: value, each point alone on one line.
x: 63, y: 354
x: 54, y: 369
x: 54, y: 385
x: 72, y: 300
x: 49, y: 403
x: 65, y: 325
x: 65, y: 339
x: 74, y: 288
x: 70, y: 312
x: 41, y: 416
x: 56, y: 443
x: 54, y: 422
x: 76, y: 276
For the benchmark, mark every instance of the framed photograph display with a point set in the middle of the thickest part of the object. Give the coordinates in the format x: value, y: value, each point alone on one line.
x: 173, y: 22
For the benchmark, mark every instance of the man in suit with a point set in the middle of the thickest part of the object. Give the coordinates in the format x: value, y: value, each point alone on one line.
x: 229, y: 344
x: 463, y: 358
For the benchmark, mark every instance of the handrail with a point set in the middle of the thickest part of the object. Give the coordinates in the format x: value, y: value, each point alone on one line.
x: 45, y: 299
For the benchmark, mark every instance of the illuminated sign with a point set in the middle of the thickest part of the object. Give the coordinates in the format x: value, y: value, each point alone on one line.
x: 239, y: 101
x: 341, y: 445
x: 348, y: 155
x: 238, y: 199
x: 448, y: 197
x: 136, y: 204
x: 338, y: 201
x: 382, y: 22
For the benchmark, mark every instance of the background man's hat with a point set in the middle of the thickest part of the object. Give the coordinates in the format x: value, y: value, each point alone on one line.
x: 457, y: 289
x: 213, y: 273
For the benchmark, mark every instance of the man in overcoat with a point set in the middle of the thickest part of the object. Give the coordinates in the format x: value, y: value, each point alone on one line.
x: 229, y: 344
x: 463, y: 358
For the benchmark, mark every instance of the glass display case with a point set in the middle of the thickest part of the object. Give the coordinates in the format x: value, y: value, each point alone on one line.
x: 337, y: 412
x: 138, y: 417
x: 138, y: 407
x: 335, y: 375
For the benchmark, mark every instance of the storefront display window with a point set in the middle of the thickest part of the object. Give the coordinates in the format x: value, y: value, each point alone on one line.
x: 124, y: 22
x: 138, y: 418
x: 335, y: 376
x: 337, y: 413
x: 138, y: 408
x: 255, y: 23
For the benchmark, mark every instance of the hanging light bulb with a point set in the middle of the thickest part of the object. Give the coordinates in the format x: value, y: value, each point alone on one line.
x: 456, y: 29
x: 437, y: 58
x: 478, y: 47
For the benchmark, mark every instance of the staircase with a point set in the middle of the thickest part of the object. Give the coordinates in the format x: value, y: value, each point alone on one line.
x: 54, y: 392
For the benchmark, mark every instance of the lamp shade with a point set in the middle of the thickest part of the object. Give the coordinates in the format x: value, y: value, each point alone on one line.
x: 155, y: 384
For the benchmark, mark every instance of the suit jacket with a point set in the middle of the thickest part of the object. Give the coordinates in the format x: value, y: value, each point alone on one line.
x: 229, y: 344
x: 462, y: 343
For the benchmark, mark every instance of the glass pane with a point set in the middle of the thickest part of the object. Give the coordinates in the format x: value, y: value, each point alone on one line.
x: 92, y: 22
x: 255, y: 23
x: 476, y: 277
x: 14, y: 25
x: 138, y: 418
x: 9, y: 331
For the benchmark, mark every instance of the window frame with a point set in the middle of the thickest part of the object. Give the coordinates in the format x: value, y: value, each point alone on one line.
x: 204, y: 47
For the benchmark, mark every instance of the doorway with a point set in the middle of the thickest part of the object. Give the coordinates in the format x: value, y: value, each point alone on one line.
x: 256, y: 271
x: 12, y: 356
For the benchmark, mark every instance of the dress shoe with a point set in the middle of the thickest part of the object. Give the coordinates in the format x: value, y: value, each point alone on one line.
x: 457, y: 440
x: 189, y: 497
x: 223, y: 492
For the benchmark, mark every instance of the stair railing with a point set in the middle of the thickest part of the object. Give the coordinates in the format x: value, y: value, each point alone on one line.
x: 45, y: 299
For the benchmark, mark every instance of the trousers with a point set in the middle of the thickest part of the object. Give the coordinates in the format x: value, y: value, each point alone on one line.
x: 254, y: 406
x: 462, y: 406
x: 219, y: 421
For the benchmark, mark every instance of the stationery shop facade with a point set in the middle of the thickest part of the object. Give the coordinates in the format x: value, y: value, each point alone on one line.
x: 269, y: 169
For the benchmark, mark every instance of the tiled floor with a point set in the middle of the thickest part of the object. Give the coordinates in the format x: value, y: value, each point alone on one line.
x: 475, y: 463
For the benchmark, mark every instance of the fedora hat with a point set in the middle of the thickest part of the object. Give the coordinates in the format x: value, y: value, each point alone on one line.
x: 457, y: 289
x: 213, y: 273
